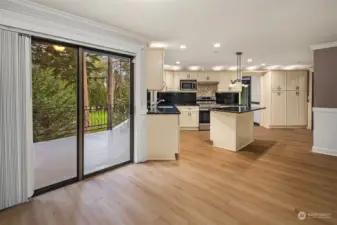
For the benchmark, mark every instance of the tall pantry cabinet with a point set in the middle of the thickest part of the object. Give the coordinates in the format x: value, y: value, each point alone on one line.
x: 284, y: 94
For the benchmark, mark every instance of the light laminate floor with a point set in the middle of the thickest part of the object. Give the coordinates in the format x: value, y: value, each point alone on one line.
x: 268, y: 182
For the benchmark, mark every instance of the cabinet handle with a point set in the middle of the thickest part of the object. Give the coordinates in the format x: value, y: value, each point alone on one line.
x: 297, y: 93
x: 207, y: 78
x: 229, y: 88
x: 297, y: 87
x: 278, y: 93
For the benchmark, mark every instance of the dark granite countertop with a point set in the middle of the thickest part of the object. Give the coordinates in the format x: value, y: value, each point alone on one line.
x: 162, y: 110
x: 237, y: 109
x: 186, y: 104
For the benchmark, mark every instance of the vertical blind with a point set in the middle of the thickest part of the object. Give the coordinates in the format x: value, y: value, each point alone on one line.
x: 16, y: 141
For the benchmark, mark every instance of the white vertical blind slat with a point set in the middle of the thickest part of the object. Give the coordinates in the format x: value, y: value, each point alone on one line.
x: 15, y: 122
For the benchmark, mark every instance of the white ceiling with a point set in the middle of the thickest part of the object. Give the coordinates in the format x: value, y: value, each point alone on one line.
x: 275, y: 32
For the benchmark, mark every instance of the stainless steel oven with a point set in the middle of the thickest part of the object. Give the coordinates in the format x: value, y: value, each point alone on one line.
x: 204, y: 118
x: 188, y: 85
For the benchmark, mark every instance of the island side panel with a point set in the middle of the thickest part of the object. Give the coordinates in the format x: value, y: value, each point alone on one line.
x: 163, y: 137
x: 223, y: 130
x: 244, y: 129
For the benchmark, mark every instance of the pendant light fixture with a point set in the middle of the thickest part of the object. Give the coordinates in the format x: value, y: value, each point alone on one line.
x: 238, y: 80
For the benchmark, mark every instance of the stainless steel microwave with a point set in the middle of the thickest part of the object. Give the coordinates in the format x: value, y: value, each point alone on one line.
x: 188, y: 85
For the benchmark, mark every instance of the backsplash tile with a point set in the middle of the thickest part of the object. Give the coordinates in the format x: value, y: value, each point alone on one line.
x: 207, y: 90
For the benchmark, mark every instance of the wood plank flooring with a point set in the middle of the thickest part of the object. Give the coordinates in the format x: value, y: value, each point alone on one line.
x: 268, y: 182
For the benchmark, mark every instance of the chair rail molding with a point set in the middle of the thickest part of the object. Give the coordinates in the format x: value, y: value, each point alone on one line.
x: 325, y: 130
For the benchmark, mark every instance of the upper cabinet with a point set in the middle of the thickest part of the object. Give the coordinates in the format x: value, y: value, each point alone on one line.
x: 278, y: 80
x: 297, y: 80
x: 225, y: 79
x: 187, y: 75
x: 155, y: 69
x: 172, y: 81
x: 203, y: 76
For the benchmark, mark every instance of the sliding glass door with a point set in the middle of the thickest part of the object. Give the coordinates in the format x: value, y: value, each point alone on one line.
x: 107, y: 127
x: 54, y: 85
x: 82, y: 112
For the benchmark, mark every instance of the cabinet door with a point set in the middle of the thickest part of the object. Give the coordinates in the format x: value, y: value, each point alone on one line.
x: 203, y: 76
x: 187, y: 75
x: 169, y: 80
x: 278, y: 108
x: 302, y: 80
x: 154, y: 69
x: 278, y: 80
x: 292, y: 108
x: 213, y: 76
x: 176, y: 81
x: 292, y: 81
x: 224, y: 81
x: 302, y: 108
x: 194, y: 119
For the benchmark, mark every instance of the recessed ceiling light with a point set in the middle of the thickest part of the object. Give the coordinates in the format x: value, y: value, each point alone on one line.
x: 194, y: 67
x: 217, y: 45
x: 183, y: 46
x: 252, y: 67
x: 274, y: 67
x: 175, y: 68
x: 158, y: 45
x: 249, y: 60
x: 167, y: 67
x: 178, y: 62
x: 263, y: 64
x: 232, y: 68
x: 218, y: 68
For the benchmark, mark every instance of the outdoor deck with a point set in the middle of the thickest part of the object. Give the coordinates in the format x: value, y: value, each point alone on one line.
x: 56, y: 160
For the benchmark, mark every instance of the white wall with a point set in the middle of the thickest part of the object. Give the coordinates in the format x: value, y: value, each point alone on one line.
x: 30, y: 18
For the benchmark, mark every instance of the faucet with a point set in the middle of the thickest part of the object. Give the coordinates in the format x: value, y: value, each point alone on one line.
x: 156, y: 103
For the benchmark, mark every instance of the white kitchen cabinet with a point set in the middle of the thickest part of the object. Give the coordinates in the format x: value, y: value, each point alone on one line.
x: 292, y: 108
x: 225, y: 79
x: 176, y: 83
x: 188, y: 75
x: 302, y: 108
x: 189, y: 117
x: 297, y: 80
x: 278, y: 80
x: 169, y: 81
x: 224, y: 82
x: 278, y: 102
x: 203, y: 76
x: 296, y: 108
x: 213, y: 76
x: 155, y: 69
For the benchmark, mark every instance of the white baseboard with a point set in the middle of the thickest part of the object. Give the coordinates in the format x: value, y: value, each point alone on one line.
x: 324, y: 151
x: 325, y: 130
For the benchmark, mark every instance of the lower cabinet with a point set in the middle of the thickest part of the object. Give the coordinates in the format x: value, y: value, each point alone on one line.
x: 297, y: 108
x: 278, y: 108
x: 288, y: 109
x: 189, y: 117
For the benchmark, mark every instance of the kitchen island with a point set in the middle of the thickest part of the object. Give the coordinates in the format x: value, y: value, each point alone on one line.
x: 232, y: 128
